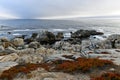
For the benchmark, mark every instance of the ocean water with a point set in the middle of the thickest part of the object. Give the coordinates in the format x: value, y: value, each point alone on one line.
x: 28, y: 26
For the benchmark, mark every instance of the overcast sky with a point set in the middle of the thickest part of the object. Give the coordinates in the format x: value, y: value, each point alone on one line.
x: 35, y: 9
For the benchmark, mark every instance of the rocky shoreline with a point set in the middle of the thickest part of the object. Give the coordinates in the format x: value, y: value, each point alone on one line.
x: 53, y: 50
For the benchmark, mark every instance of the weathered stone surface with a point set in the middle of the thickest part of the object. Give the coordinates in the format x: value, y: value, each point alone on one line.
x: 45, y: 52
x: 4, y: 39
x: 112, y: 41
x: 29, y: 58
x: 18, y: 41
x: 25, y: 51
x: 34, y: 45
x: 7, y: 44
x: 10, y: 57
x: 61, y: 45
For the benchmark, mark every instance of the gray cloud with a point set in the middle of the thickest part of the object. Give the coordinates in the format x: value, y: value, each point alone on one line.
x: 54, y: 8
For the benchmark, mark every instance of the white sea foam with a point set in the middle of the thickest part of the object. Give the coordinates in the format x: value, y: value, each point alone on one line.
x: 67, y: 35
x: 21, y: 30
x: 58, y: 30
x: 16, y: 34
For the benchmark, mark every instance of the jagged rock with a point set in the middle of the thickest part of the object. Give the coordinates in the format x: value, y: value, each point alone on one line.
x: 59, y: 36
x: 34, y: 45
x: 4, y: 39
x: 25, y: 51
x: 117, y: 44
x: 74, y: 40
x: 85, y: 33
x: 46, y: 38
x: 34, y: 35
x: 113, y: 41
x: 11, y: 49
x: 29, y: 58
x: 105, y: 44
x: 10, y: 57
x: 45, y: 52
x: 62, y: 45
x: 7, y: 44
x: 18, y: 42
x: 113, y: 37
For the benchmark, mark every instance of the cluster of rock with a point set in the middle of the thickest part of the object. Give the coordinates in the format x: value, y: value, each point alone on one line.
x: 112, y: 42
x: 45, y: 37
x: 34, y: 49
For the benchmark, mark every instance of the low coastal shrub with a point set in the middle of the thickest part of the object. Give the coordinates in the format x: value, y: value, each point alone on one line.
x: 79, y: 64
x: 108, y: 76
x: 27, y: 68
x: 82, y: 64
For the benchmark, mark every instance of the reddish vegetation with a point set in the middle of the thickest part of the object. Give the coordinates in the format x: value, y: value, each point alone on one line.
x: 82, y: 64
x: 108, y: 76
x: 27, y: 68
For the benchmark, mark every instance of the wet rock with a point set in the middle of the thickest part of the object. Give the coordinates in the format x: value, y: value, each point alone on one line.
x: 74, y: 40
x: 34, y: 35
x: 46, y: 38
x: 18, y: 42
x: 59, y: 36
x: 34, y: 45
x: 85, y: 33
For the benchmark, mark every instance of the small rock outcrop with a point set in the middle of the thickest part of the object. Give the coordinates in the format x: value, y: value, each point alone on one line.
x: 85, y: 33
x: 18, y: 42
x: 10, y: 57
x: 34, y: 45
x: 46, y: 38
x: 59, y: 36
